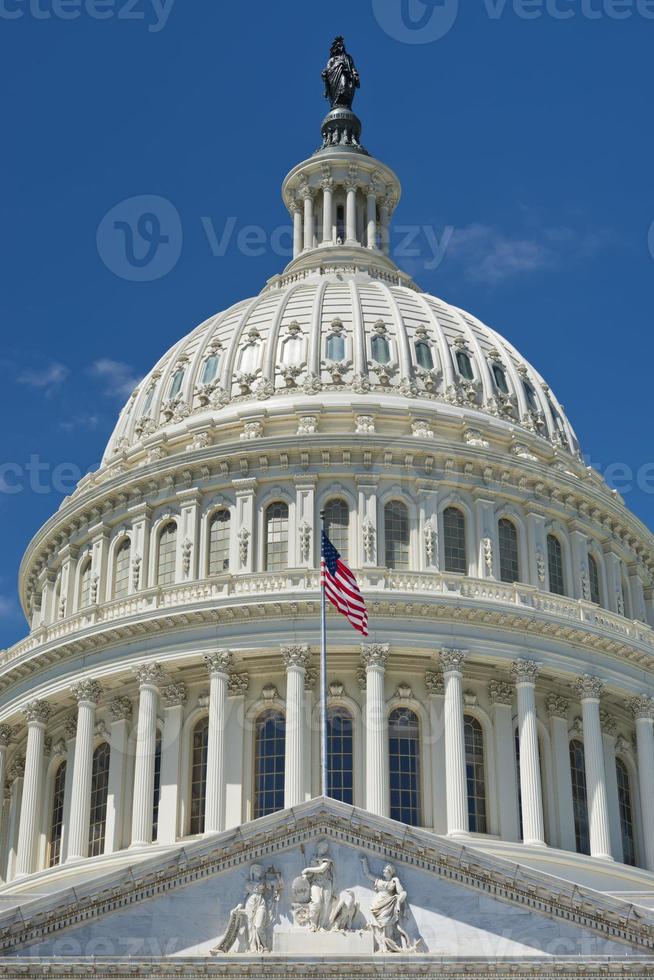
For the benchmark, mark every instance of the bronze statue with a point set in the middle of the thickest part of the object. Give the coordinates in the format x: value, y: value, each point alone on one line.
x: 340, y: 76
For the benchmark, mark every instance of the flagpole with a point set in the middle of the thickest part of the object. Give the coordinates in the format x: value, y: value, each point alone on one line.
x: 323, y: 669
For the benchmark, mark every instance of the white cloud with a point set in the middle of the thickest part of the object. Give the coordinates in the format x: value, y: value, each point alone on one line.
x: 119, y: 378
x: 47, y: 379
x: 89, y: 422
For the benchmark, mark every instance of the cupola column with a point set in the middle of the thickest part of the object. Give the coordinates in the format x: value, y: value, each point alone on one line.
x: 642, y: 708
x: 327, y: 185
x: 88, y: 694
x: 296, y: 211
x: 150, y: 677
x: 308, y: 218
x: 351, y: 185
x: 371, y: 201
x: 218, y: 665
x: 296, y: 660
x: 36, y: 715
x: 456, y: 788
x: 375, y: 657
x: 525, y: 673
x: 589, y: 690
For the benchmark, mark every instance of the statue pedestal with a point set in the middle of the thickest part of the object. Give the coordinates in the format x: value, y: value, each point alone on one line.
x: 303, y: 942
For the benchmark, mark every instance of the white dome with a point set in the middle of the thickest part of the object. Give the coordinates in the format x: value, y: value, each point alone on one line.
x: 355, y: 328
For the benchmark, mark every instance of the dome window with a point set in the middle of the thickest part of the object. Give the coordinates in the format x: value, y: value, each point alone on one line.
x: 476, y: 775
x: 167, y: 557
x: 269, y: 763
x: 149, y: 398
x: 424, y: 356
x: 340, y: 755
x: 579, y: 796
x: 500, y: 379
x: 219, y: 543
x: 508, y: 541
x: 121, y: 569
x: 99, y: 798
x: 199, y: 751
x: 337, y: 526
x: 380, y: 348
x: 57, y: 817
x: 594, y: 580
x: 626, y: 814
x: 336, y: 347
x: 404, y: 766
x: 396, y: 535
x: 530, y: 395
x: 555, y: 565
x: 464, y: 365
x: 454, y: 541
x: 276, y: 537
x: 176, y: 384
x: 210, y: 369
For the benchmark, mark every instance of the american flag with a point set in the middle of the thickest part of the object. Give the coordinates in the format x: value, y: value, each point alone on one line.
x: 341, y: 587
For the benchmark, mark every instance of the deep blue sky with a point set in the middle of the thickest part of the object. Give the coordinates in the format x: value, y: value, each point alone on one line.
x: 530, y: 138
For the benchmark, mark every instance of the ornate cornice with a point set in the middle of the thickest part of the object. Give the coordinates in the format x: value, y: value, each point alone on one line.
x: 37, y: 712
x: 588, y: 688
x: 296, y: 656
x: 219, y: 662
x: 525, y: 671
x: 150, y: 675
x: 174, y: 695
x: 641, y: 706
x: 452, y: 661
x: 121, y: 709
x: 557, y: 706
x: 87, y: 692
x: 501, y: 692
x: 375, y: 655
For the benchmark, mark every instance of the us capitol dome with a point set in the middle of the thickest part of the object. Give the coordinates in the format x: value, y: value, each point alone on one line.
x: 490, y: 743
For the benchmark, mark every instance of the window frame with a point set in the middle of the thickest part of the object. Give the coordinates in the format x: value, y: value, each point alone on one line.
x: 415, y: 769
x: 504, y: 559
x: 166, y: 526
x: 563, y: 592
x: 398, y: 503
x: 464, y: 519
x: 278, y: 772
x: 474, y: 815
x: 276, y: 567
x: 213, y: 517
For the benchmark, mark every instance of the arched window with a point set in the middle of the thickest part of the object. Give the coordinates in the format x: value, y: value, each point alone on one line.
x: 530, y: 395
x: 85, y: 585
x: 626, y: 813
x: 475, y: 774
x: 269, y: 758
x: 555, y: 565
x: 464, y: 365
x: 99, y: 794
x: 337, y: 526
x: 210, y: 369
x: 499, y: 375
x: 424, y: 356
x: 199, y: 775
x: 454, y: 541
x: 157, y: 785
x: 276, y: 536
x: 176, y: 383
x: 335, y: 347
x: 340, y: 755
x: 149, y: 398
x: 579, y: 796
x: 57, y: 816
x: 594, y: 580
x: 404, y: 766
x: 396, y: 535
x: 509, y: 560
x: 121, y: 569
x: 381, y: 351
x: 219, y: 543
x: 167, y: 554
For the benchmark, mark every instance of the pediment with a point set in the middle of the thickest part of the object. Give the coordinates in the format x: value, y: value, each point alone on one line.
x: 242, y: 893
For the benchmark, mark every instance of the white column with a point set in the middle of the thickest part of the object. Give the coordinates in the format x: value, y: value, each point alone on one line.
x: 525, y: 673
x: 435, y: 685
x: 218, y: 665
x: 375, y: 657
x: 557, y: 709
x: 371, y: 216
x: 149, y: 677
x: 351, y: 185
x: 589, y: 690
x: 384, y: 221
x: 609, y: 732
x: 296, y: 211
x: 455, y: 751
x: 16, y: 774
x: 296, y: 660
x: 6, y: 736
x: 174, y: 698
x: 327, y: 210
x: 502, y: 695
x: 642, y: 708
x: 70, y: 731
x: 36, y: 715
x: 121, y: 714
x: 88, y: 694
x: 235, y: 788
x: 308, y: 218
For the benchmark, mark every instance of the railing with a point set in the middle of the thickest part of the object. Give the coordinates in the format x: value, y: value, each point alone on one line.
x: 228, y: 590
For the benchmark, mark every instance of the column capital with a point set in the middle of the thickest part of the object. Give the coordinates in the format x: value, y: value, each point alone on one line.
x: 121, y: 709
x: 452, y: 661
x: 88, y: 692
x: 641, y: 706
x: 588, y: 688
x: 174, y: 695
x: 375, y: 654
x: 219, y: 662
x: 501, y: 692
x: 557, y: 706
x: 296, y: 655
x: 7, y: 733
x: 150, y: 675
x: 435, y: 682
x: 608, y: 724
x: 525, y: 671
x: 37, y: 712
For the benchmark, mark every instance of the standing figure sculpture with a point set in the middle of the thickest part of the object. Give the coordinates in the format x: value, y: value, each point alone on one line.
x: 387, y: 910
x: 340, y: 76
x: 320, y: 876
x: 254, y: 917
